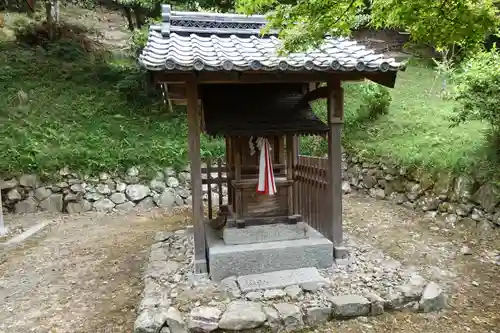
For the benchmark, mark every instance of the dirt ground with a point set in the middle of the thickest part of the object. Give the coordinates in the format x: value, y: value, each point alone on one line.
x: 83, y: 274
x: 80, y: 274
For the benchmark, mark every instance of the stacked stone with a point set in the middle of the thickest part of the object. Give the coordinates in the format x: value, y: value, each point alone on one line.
x: 460, y: 201
x: 74, y: 193
x: 176, y: 301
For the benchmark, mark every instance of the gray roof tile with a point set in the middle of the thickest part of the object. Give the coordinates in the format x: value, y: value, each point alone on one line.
x: 224, y: 42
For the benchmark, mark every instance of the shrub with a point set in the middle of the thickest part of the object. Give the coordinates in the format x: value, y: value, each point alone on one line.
x: 477, y: 92
x: 375, y: 99
x: 363, y: 102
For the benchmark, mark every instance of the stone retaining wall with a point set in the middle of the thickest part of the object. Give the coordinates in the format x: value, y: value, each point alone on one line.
x: 453, y: 201
x: 73, y: 193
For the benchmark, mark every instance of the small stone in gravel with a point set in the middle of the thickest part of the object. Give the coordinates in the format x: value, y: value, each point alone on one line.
x: 350, y: 306
x: 475, y: 283
x: 242, y: 315
x: 290, y: 314
x: 150, y: 321
x: 433, y: 298
x: 254, y: 295
x: 204, y: 319
x: 465, y: 250
x: 293, y: 291
x: 274, y: 294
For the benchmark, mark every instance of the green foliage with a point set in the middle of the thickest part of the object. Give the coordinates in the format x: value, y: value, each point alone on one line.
x: 373, y: 101
x: 478, y: 90
x: 376, y: 99
x: 415, y: 132
x: 140, y: 36
x: 91, y: 114
x: 304, y: 23
x: 439, y: 23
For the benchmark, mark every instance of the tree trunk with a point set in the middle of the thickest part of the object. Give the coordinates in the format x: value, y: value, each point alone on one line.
x: 3, y: 229
x: 50, y: 21
x: 139, y: 17
x: 55, y: 11
x: 128, y: 16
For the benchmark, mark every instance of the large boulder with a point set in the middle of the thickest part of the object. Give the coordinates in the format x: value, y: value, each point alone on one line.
x: 53, y: 203
x: 137, y: 192
x: 488, y: 196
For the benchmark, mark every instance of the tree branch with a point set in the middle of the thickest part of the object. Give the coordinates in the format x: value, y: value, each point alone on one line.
x: 345, y: 12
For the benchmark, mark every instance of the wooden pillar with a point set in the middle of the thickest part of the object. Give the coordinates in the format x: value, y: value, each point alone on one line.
x: 290, y: 162
x: 194, y: 131
x: 335, y: 104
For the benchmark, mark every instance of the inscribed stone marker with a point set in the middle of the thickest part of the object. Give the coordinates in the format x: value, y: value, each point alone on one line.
x: 279, y: 279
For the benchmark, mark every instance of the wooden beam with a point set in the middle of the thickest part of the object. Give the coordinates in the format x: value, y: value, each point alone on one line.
x: 335, y: 104
x: 194, y: 131
x: 384, y: 78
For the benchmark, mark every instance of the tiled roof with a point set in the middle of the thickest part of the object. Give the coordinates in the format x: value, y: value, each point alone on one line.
x: 227, y: 42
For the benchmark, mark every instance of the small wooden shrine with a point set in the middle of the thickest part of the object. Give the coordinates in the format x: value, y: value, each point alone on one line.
x: 279, y: 114
x: 237, y: 87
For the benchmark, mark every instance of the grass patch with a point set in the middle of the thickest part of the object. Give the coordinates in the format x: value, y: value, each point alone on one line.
x: 416, y: 132
x: 63, y: 107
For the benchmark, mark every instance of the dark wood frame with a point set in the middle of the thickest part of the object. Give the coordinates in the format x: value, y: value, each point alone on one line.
x: 183, y: 88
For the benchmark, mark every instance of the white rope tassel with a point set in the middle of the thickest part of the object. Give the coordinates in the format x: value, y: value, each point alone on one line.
x: 266, y: 183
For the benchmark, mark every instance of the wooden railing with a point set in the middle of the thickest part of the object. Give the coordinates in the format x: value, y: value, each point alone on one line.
x: 310, y: 192
x: 214, y: 176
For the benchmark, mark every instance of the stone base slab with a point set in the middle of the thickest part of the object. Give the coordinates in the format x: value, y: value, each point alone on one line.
x: 279, y: 279
x: 264, y: 233
x: 245, y: 259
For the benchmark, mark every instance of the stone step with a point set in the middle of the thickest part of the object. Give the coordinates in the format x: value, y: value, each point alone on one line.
x: 264, y: 233
x: 279, y: 279
x: 244, y: 259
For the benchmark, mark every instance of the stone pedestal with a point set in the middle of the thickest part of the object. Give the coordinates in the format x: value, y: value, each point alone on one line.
x: 264, y: 233
x: 225, y: 260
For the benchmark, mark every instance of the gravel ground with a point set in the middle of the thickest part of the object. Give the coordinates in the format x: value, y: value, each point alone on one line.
x: 82, y: 274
